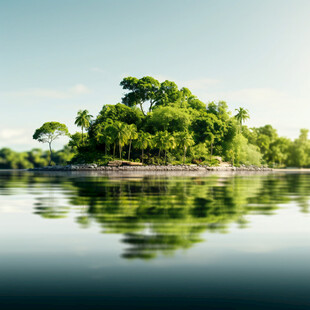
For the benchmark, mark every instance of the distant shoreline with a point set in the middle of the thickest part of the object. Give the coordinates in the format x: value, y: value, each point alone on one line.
x: 93, y: 167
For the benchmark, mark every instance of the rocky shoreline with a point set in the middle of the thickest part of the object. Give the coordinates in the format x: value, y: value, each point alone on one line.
x: 94, y: 167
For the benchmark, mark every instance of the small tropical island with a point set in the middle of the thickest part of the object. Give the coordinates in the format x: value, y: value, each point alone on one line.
x: 160, y: 124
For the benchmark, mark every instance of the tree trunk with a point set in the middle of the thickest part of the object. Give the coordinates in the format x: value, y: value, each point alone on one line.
x: 166, y: 156
x: 211, y: 151
x: 129, y: 150
x: 114, y: 146
x: 82, y: 136
x: 142, y: 108
x: 51, y: 152
x: 120, y: 151
x: 151, y: 105
x: 184, y: 158
x: 142, y: 154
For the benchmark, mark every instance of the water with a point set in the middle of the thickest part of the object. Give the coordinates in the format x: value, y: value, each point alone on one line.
x: 154, y: 242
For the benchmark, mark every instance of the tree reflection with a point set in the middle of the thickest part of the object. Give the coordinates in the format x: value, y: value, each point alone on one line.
x: 159, y: 215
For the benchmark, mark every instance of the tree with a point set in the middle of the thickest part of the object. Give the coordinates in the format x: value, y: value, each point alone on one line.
x: 143, y: 141
x: 164, y: 141
x: 242, y: 152
x: 300, y: 150
x: 242, y: 115
x: 184, y: 140
x: 159, y: 140
x: 104, y: 134
x: 110, y: 135
x: 169, y: 144
x: 132, y: 135
x: 83, y: 120
x: 49, y: 132
x: 210, y: 128
x: 119, y: 112
x: 169, y: 118
x: 169, y: 93
x: 121, y: 130
x: 75, y: 140
x: 140, y: 91
x: 149, y: 90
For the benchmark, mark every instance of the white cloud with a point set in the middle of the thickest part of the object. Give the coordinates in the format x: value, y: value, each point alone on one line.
x: 11, y: 133
x: 10, y: 136
x: 78, y: 89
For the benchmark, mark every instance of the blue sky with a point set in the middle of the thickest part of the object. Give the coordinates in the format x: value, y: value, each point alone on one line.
x: 57, y: 57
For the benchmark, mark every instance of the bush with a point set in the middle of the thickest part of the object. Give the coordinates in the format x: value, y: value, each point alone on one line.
x: 93, y: 157
x: 242, y: 152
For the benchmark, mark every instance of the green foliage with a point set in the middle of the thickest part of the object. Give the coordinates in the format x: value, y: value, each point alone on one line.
x: 300, y: 150
x: 83, y: 120
x: 170, y: 119
x: 199, y: 153
x: 91, y: 157
x: 33, y: 159
x: 184, y: 140
x: 49, y: 132
x: 242, y: 152
x: 76, y: 140
x: 178, y: 128
x: 242, y: 115
x: 144, y: 141
x: 140, y: 91
x: 119, y: 112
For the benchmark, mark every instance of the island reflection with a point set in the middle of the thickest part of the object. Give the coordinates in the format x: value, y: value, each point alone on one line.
x: 160, y: 214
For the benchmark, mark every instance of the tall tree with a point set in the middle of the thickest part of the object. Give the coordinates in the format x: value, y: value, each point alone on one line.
x: 122, y: 135
x: 208, y: 128
x: 143, y: 141
x: 242, y: 115
x: 105, y: 133
x: 49, y: 132
x: 184, y: 140
x: 132, y: 135
x: 159, y: 140
x: 170, y: 143
x: 140, y: 91
x: 83, y: 120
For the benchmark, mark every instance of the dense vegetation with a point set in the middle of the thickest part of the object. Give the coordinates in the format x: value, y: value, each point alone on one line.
x: 158, y: 123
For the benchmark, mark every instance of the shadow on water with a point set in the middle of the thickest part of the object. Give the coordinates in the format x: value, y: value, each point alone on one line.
x: 159, y: 214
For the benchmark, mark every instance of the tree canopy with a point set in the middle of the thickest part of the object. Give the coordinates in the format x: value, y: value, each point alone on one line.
x: 49, y: 132
x: 159, y: 123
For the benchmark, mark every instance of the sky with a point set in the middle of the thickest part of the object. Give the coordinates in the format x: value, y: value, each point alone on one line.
x: 60, y: 56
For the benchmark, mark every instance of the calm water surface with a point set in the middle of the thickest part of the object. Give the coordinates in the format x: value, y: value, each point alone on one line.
x: 154, y: 242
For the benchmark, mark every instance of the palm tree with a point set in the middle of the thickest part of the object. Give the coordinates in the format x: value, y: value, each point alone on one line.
x: 121, y: 130
x: 159, y: 141
x: 110, y: 135
x: 242, y: 115
x: 83, y: 120
x: 143, y: 141
x: 132, y: 135
x: 170, y: 143
x: 104, y: 134
x: 184, y: 140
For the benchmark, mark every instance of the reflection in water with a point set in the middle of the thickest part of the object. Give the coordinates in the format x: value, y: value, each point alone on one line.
x: 159, y: 214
